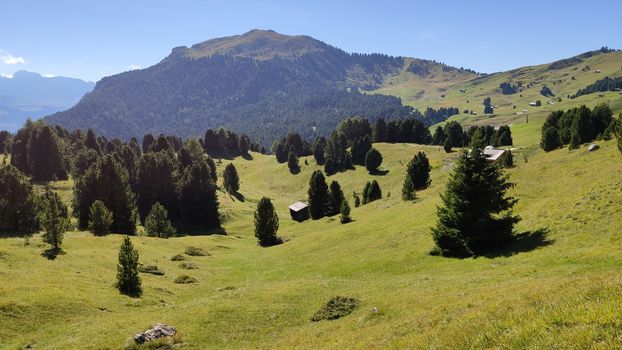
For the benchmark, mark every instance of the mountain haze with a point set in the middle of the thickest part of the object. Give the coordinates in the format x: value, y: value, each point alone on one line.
x: 261, y: 83
x: 30, y: 95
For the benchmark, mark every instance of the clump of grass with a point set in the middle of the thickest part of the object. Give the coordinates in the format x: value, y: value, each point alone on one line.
x: 194, y: 251
x: 178, y: 257
x: 150, y: 269
x: 188, y: 265
x: 335, y: 308
x: 185, y: 279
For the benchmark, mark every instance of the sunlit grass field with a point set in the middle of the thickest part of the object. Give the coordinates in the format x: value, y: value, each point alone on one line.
x: 564, y: 293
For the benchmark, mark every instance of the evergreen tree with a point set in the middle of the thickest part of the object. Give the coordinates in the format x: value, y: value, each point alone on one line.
x: 359, y: 149
x: 128, y: 280
x: 344, y: 210
x: 373, y: 192
x: 292, y: 160
x: 550, y: 139
x: 156, y: 183
x: 508, y: 160
x: 190, y: 152
x: 91, y: 141
x: 337, y: 156
x: 19, y: 148
x: 197, y: 196
x: 127, y: 158
x: 380, y: 130
x: 212, y: 168
x: 211, y: 143
x: 447, y: 145
x: 373, y: 159
x: 161, y: 144
x: 266, y: 223
x: 336, y: 198
x: 575, y: 141
x: 100, y: 219
x: 366, y: 192
x: 318, y: 150
x: 417, y: 176
x: 439, y: 136
x: 18, y: 203
x: 357, y: 200
x: 54, y: 218
x: 44, y: 155
x: 244, y: 145
x: 488, y: 109
x: 82, y: 161
x: 476, y: 215
x: 108, y: 182
x: 318, y: 196
x: 157, y: 223
x: 231, y: 180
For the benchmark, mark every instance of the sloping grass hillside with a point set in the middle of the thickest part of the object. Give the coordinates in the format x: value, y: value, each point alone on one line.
x: 560, y: 292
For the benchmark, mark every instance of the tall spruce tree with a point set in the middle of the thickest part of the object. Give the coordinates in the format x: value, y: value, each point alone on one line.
x: 44, y: 155
x: 266, y: 223
x: 344, y: 212
x: 336, y: 198
x: 292, y: 161
x: 54, y: 218
x: 417, y: 176
x: 100, y: 219
x: 231, y: 180
x: 439, y: 136
x: 359, y: 149
x: 128, y: 280
x: 19, y: 148
x: 476, y: 216
x: 319, y: 200
x: 91, y: 141
x: 373, y: 192
x: 108, y: 182
x: 550, y: 139
x: 618, y: 131
x: 197, y: 196
x: 156, y: 183
x: 380, y: 130
x: 318, y: 150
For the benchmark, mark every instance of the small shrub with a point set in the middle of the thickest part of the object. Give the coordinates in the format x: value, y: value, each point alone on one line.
x: 194, y: 251
x: 100, y: 219
x: 150, y: 269
x: 188, y: 265
x: 185, y: 279
x: 178, y: 257
x: 335, y: 308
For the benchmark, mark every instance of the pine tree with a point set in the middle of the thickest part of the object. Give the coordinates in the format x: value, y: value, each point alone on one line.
x: 575, y: 140
x: 19, y: 148
x: 359, y: 149
x: 266, y: 223
x: 100, y: 219
x: 618, y: 132
x: 44, y: 155
x: 190, y: 152
x: 108, y: 182
x: 380, y: 130
x: 318, y: 150
x: 550, y: 138
x: 344, y: 210
x: 156, y: 183
x: 373, y: 159
x: 366, y: 192
x: 18, y: 203
x: 91, y: 142
x: 336, y: 198
x: 292, y: 160
x: 231, y: 180
x: 318, y: 195
x: 476, y: 215
x: 408, y: 189
x: 447, y: 145
x: 82, y: 161
x: 357, y: 200
x: 197, y: 196
x: 418, y: 170
x: 373, y: 192
x: 212, y: 168
x: 54, y: 218
x: 157, y: 223
x: 508, y: 160
x: 128, y: 280
x: 439, y: 136
x: 244, y: 145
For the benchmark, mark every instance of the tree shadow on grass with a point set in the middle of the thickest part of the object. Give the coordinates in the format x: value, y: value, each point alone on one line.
x: 52, y: 253
x: 382, y: 172
x: 201, y: 231
x: 271, y: 243
x: 247, y: 156
x: 237, y: 195
x: 295, y: 171
x: 523, y: 242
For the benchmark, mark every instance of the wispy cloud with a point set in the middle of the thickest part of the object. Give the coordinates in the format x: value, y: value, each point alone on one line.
x: 133, y: 67
x: 6, y: 75
x: 7, y: 58
x: 48, y: 75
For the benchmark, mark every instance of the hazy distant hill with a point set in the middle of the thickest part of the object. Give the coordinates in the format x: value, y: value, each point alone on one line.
x: 29, y: 95
x: 261, y: 83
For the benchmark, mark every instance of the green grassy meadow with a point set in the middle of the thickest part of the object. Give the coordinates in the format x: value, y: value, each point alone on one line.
x: 564, y: 293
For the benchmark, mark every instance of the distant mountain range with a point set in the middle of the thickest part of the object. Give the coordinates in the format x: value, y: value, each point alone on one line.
x: 30, y: 95
x: 261, y: 83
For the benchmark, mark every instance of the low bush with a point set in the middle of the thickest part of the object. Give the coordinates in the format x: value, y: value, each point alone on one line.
x: 185, y: 279
x: 194, y: 251
x: 150, y: 269
x: 335, y: 308
x: 178, y: 257
x: 188, y: 265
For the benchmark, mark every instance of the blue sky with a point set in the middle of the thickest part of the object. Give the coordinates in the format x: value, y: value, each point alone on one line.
x: 90, y: 40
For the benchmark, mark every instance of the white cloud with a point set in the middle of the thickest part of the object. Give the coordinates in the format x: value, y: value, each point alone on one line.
x: 48, y: 75
x: 134, y: 67
x: 6, y: 75
x: 7, y: 58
